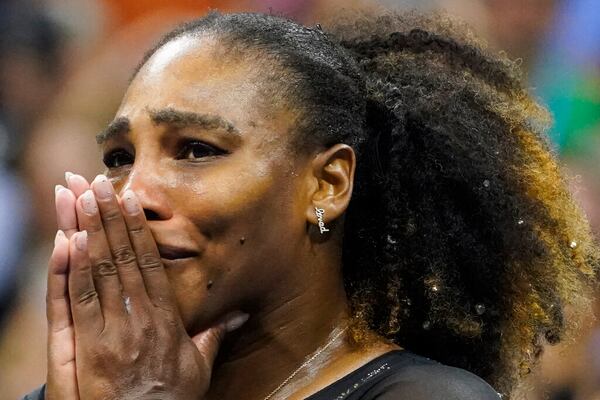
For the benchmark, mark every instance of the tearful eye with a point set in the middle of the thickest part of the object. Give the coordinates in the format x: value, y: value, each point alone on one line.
x: 117, y: 158
x: 195, y: 150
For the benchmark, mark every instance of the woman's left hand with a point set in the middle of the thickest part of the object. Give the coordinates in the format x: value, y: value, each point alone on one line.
x: 129, y: 337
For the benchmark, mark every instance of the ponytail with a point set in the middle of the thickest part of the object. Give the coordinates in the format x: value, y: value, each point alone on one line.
x: 462, y: 242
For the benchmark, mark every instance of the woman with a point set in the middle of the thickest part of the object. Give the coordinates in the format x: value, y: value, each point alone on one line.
x: 311, y: 202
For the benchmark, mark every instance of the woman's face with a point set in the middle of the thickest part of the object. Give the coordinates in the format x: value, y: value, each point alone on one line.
x: 223, y: 197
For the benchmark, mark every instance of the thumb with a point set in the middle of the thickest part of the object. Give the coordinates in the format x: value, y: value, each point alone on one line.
x: 208, y: 341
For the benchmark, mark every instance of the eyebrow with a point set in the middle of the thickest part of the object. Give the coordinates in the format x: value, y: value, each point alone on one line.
x: 118, y: 127
x: 182, y: 119
x: 173, y: 117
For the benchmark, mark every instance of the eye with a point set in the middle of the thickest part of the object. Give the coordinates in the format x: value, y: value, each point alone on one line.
x: 117, y: 158
x: 194, y: 150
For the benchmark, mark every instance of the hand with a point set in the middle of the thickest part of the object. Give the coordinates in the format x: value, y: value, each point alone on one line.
x: 61, y: 382
x: 138, y: 347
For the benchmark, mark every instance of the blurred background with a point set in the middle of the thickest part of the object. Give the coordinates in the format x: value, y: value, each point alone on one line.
x: 64, y: 65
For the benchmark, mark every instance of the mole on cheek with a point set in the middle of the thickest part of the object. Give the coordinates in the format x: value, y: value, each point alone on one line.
x: 242, y: 240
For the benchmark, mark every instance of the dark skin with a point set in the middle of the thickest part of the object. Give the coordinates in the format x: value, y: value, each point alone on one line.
x: 238, y: 208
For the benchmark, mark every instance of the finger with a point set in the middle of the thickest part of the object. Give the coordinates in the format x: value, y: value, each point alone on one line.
x: 85, y: 304
x: 151, y: 267
x: 118, y: 239
x: 104, y: 269
x: 209, y: 341
x: 61, y: 338
x: 66, y: 217
x: 57, y: 295
x: 77, y: 183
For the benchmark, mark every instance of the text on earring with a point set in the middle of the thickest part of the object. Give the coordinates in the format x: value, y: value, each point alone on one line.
x: 320, y: 212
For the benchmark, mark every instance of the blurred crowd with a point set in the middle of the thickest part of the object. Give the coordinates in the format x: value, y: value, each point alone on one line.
x: 64, y: 65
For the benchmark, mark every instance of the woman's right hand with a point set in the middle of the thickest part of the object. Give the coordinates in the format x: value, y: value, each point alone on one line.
x: 61, y: 381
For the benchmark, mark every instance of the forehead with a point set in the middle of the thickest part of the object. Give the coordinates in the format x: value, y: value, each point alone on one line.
x: 199, y: 74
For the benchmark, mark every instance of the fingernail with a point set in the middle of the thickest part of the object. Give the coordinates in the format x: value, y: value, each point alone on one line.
x: 74, y: 180
x: 130, y: 201
x: 102, y: 187
x: 236, y: 321
x: 58, y: 188
x: 59, y: 235
x: 81, y: 240
x: 88, y: 203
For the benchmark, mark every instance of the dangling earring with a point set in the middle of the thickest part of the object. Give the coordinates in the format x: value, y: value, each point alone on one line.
x: 320, y: 212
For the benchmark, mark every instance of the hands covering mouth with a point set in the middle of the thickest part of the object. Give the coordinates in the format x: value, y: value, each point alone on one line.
x: 110, y: 305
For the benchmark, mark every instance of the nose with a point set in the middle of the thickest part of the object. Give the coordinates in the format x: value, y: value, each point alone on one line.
x: 149, y: 188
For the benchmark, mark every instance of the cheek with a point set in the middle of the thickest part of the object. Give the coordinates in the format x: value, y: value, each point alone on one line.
x: 245, y: 224
x: 218, y: 206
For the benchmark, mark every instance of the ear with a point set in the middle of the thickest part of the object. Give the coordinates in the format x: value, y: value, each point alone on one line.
x: 332, y: 180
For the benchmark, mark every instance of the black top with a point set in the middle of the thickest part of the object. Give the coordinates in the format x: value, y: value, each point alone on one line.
x: 402, y: 375
x: 396, y: 375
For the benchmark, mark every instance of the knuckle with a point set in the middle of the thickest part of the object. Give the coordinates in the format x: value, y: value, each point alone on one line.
x: 124, y: 255
x: 137, y: 230
x: 105, y: 267
x: 87, y: 297
x: 150, y: 262
x: 93, y: 228
x: 111, y: 215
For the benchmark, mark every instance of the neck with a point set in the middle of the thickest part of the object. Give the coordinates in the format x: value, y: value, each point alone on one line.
x: 260, y: 356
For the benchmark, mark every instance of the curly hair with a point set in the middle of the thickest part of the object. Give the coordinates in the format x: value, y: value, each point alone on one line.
x: 461, y: 241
